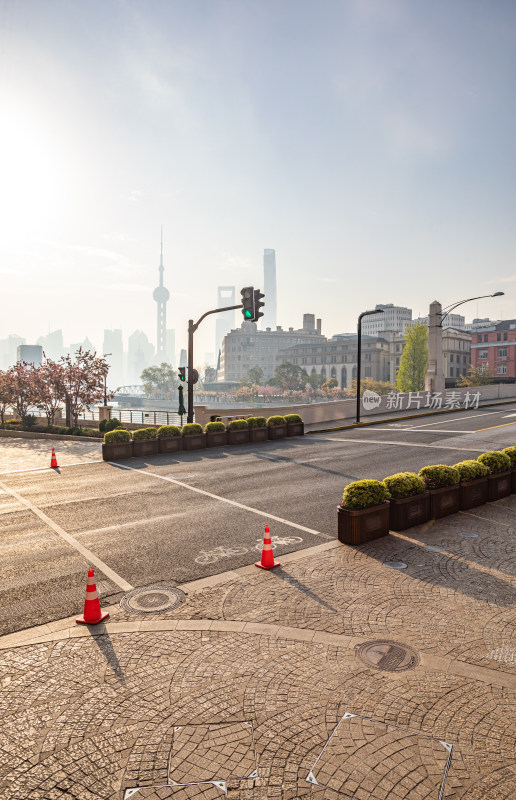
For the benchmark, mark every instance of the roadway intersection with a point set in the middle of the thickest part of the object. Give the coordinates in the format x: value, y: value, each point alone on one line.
x: 169, y: 520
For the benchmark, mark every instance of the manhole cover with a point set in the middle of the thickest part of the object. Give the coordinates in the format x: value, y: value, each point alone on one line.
x: 395, y: 564
x: 434, y: 548
x: 467, y: 535
x: 386, y: 655
x: 150, y: 599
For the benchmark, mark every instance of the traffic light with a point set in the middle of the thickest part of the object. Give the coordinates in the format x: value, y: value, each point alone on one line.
x: 258, y: 304
x: 248, y: 303
x: 195, y: 376
x: 182, y: 374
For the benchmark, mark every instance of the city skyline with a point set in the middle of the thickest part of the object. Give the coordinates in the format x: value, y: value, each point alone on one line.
x: 374, y: 156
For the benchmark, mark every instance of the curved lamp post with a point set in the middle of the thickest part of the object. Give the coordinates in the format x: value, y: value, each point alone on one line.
x: 448, y: 309
x: 359, y: 353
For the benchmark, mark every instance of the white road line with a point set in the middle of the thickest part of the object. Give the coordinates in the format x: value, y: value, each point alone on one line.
x: 45, y: 469
x: 460, y: 419
x: 88, y: 555
x: 411, y: 444
x: 415, y: 430
x: 223, y: 500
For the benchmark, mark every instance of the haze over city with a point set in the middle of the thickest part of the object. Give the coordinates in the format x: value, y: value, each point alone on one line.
x: 369, y: 143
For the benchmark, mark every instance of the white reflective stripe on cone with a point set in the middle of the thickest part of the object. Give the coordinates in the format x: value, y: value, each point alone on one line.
x: 92, y: 595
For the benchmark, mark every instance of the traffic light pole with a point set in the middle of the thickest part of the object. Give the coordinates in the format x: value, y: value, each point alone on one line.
x: 192, y: 327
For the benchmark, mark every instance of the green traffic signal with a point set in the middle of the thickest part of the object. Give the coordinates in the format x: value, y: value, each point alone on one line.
x: 182, y: 373
x: 248, y: 302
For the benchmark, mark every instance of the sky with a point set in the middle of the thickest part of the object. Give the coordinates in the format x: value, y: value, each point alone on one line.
x: 369, y: 142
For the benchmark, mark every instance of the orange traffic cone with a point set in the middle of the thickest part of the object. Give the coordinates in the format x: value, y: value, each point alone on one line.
x: 267, y: 560
x: 92, y: 611
x: 53, y: 460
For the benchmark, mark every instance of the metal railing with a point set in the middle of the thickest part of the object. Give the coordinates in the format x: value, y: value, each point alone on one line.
x: 139, y: 417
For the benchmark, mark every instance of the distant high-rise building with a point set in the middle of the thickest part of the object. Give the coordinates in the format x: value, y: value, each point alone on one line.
x: 269, y: 288
x: 52, y: 345
x: 140, y: 352
x: 85, y: 345
x: 30, y: 353
x: 183, y: 359
x: 394, y: 318
x: 8, y: 350
x: 170, y: 348
x: 161, y: 296
x: 225, y: 321
x: 113, y: 345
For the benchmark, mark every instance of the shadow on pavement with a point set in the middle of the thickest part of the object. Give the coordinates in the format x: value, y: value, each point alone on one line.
x: 296, y: 584
x: 103, y: 642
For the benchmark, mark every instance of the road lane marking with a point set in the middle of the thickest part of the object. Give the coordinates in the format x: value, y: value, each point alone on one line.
x: 409, y: 444
x: 417, y: 430
x: 456, y: 419
x: 45, y: 469
x: 223, y: 500
x: 87, y: 554
x: 495, y: 426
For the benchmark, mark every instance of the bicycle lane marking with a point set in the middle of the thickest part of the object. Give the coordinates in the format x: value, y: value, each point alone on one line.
x: 87, y: 554
x: 223, y: 500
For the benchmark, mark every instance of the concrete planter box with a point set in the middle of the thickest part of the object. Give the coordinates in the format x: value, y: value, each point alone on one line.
x: 409, y: 511
x: 444, y: 501
x: 145, y: 447
x: 195, y: 441
x: 115, y: 450
x: 238, y: 436
x: 358, y: 527
x: 295, y: 428
x: 499, y: 485
x: 277, y: 431
x: 473, y: 493
x: 258, y: 434
x: 216, y: 438
x: 170, y: 444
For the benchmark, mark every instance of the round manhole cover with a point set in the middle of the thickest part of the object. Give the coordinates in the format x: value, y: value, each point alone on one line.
x: 467, y: 535
x: 386, y: 655
x: 395, y: 564
x: 150, y: 599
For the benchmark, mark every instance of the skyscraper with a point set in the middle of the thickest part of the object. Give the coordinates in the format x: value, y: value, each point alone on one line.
x: 161, y: 296
x: 269, y: 288
x: 226, y: 321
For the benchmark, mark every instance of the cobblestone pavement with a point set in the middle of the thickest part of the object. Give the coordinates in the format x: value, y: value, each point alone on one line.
x: 22, y: 454
x: 256, y: 685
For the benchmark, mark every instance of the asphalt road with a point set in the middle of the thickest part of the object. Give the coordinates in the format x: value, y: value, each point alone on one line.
x: 168, y: 520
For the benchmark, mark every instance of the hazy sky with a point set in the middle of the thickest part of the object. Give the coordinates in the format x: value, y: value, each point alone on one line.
x: 370, y: 142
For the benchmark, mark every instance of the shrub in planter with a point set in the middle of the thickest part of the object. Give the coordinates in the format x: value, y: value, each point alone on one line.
x: 443, y: 483
x: 258, y: 431
x: 117, y: 444
x: 145, y: 442
x: 499, y: 480
x: 410, y: 501
x: 144, y: 433
x: 363, y: 514
x: 295, y: 425
x: 277, y: 427
x: 473, y: 483
x: 193, y: 436
x: 169, y: 439
x: 238, y: 431
x: 511, y: 452
x: 216, y: 435
x: 109, y: 424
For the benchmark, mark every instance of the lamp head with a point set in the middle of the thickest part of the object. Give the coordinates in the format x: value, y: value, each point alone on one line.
x: 497, y: 294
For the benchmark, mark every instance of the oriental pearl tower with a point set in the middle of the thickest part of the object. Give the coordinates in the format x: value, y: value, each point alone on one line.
x: 161, y: 296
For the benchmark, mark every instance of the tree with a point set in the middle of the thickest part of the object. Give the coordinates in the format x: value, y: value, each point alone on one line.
x: 370, y: 385
x: 477, y: 376
x: 83, y: 381
x: 332, y: 383
x: 254, y: 377
x: 414, y: 361
x: 6, y: 394
x: 289, y: 376
x: 159, y: 382
x: 315, y: 381
x: 49, y: 388
x: 21, y: 379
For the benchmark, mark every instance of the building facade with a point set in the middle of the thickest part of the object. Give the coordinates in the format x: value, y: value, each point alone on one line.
x: 30, y: 353
x: 394, y: 318
x: 494, y: 349
x: 226, y: 320
x: 456, y: 353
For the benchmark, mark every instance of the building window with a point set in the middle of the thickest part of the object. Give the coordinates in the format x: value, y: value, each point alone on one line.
x: 505, y: 336
x: 451, y: 356
x: 479, y: 339
x: 482, y: 353
x: 367, y: 373
x: 486, y: 337
x: 501, y: 369
x: 498, y: 337
x: 502, y: 352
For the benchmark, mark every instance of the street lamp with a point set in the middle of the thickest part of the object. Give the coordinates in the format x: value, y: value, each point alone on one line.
x: 105, y: 380
x: 448, y: 309
x: 359, y: 353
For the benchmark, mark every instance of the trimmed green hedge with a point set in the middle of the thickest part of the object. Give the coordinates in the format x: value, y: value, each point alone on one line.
x: 144, y: 433
x: 404, y: 484
x: 191, y: 427
x: 275, y: 420
x: 214, y: 427
x: 238, y: 425
x: 364, y: 494
x: 168, y: 431
x: 437, y: 476
x: 119, y: 435
x: 511, y: 452
x: 495, y: 461
x: 470, y: 470
x: 256, y: 422
x: 292, y: 418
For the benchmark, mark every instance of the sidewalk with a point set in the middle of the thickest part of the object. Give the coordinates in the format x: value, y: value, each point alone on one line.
x: 242, y: 684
